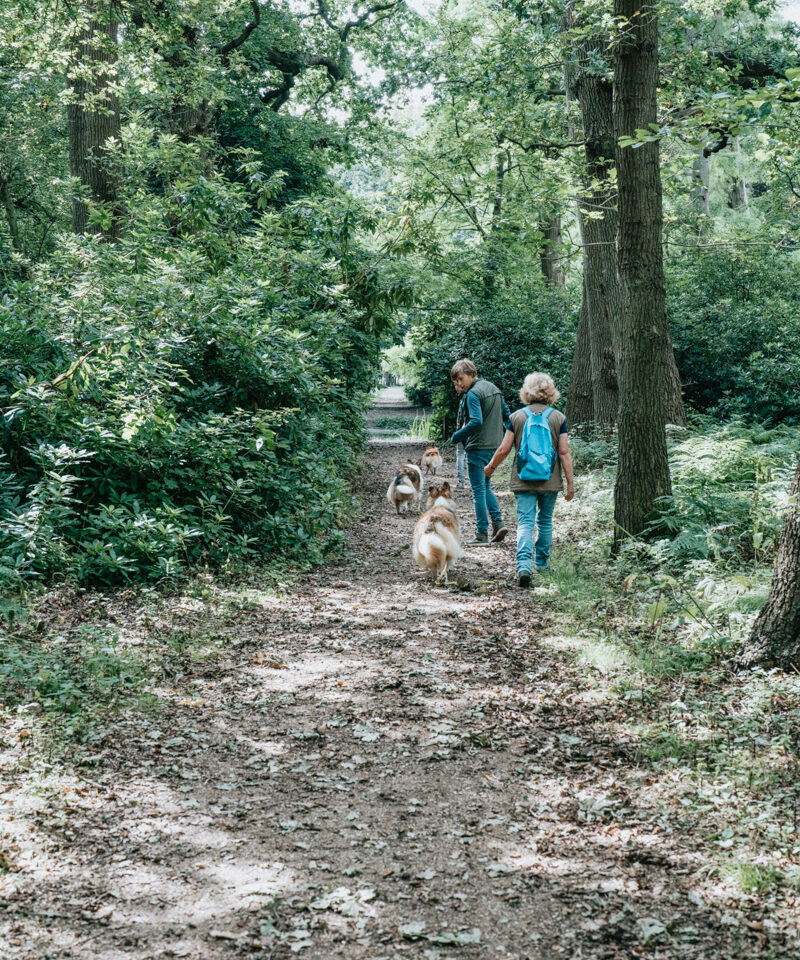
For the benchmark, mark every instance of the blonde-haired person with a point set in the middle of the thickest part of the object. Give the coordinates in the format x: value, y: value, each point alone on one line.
x: 536, y: 499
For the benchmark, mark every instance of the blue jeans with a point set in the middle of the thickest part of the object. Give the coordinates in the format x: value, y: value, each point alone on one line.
x: 461, y: 459
x: 534, y: 509
x: 482, y: 494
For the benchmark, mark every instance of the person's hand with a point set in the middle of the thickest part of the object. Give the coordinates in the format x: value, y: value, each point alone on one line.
x: 570, y: 490
x: 488, y: 470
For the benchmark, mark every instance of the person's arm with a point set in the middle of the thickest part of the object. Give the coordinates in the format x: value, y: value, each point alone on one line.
x: 506, y: 416
x: 566, y: 462
x: 475, y: 419
x: 500, y: 453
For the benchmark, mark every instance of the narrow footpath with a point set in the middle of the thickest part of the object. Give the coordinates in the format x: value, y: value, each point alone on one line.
x: 373, y: 767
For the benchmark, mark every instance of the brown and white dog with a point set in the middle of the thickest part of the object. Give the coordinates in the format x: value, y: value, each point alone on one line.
x: 437, y: 535
x: 431, y: 460
x: 405, y: 488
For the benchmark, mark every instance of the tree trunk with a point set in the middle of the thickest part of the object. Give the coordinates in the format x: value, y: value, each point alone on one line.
x: 492, y: 241
x: 580, y: 406
x: 594, y: 95
x: 551, y: 251
x: 93, y: 116
x: 11, y: 214
x: 738, y: 198
x: 775, y: 638
x: 646, y: 349
x: 701, y: 176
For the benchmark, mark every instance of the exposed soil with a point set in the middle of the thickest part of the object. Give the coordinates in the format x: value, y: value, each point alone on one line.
x: 377, y: 767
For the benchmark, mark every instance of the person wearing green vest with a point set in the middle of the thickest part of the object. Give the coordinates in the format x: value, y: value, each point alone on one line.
x: 481, y: 435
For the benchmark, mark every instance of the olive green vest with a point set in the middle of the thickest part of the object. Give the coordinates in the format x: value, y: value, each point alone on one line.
x: 490, y: 435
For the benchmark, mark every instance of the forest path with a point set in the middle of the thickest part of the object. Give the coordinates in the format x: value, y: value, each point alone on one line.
x: 376, y: 767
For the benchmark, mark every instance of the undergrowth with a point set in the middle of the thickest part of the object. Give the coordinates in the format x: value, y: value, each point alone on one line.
x: 659, y: 628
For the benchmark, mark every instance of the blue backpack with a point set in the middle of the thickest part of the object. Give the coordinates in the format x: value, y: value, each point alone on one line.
x: 536, y: 458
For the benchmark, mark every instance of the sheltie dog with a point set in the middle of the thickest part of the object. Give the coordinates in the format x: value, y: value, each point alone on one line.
x: 431, y: 460
x: 437, y: 535
x: 405, y: 488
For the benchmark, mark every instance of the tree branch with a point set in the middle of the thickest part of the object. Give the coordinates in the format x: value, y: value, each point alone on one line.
x: 544, y: 145
x: 360, y: 21
x: 232, y: 45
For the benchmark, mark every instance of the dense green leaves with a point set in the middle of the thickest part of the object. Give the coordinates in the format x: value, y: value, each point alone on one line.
x: 172, y: 401
x: 734, y: 317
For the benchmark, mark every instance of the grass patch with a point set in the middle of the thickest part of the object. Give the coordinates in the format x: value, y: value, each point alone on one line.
x: 400, y: 424
x: 418, y: 427
x: 83, y: 672
x: 754, y: 877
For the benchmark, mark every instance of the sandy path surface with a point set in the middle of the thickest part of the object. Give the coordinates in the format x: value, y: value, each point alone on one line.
x: 376, y: 767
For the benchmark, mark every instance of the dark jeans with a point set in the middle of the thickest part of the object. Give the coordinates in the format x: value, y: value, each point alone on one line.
x: 482, y: 494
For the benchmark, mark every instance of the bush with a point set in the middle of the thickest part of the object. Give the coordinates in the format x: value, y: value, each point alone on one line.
x: 529, y: 328
x: 175, y: 400
x: 735, y: 318
x: 730, y: 488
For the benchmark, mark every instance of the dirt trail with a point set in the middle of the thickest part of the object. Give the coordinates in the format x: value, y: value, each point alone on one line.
x: 379, y: 768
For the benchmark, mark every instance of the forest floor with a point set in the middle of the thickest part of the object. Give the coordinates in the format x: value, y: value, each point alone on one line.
x: 357, y: 764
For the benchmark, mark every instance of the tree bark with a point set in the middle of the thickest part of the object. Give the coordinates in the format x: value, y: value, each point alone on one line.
x: 551, y: 252
x: 775, y: 638
x: 738, y: 198
x: 646, y: 348
x: 580, y: 405
x: 93, y: 115
x: 11, y: 214
x: 594, y: 93
x: 492, y: 262
x: 701, y: 176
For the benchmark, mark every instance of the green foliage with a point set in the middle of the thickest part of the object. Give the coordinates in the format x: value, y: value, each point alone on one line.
x: 398, y: 424
x: 72, y: 677
x: 178, y: 400
x: 507, y: 337
x: 729, y: 490
x: 735, y: 323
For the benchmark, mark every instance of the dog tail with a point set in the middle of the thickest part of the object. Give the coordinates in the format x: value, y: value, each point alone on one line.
x: 405, y: 487
x: 431, y: 551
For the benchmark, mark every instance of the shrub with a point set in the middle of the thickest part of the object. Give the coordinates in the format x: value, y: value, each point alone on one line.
x: 735, y: 318
x: 507, y: 337
x: 172, y: 400
x: 730, y: 487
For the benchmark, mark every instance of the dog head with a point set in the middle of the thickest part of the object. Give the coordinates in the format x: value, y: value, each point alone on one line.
x: 438, y: 492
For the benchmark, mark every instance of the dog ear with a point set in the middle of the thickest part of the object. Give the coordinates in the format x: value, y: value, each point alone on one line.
x: 445, y: 488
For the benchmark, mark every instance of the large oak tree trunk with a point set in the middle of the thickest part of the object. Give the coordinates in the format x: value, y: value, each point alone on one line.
x: 580, y: 406
x: 93, y: 115
x: 646, y: 348
x: 594, y: 95
x: 775, y: 638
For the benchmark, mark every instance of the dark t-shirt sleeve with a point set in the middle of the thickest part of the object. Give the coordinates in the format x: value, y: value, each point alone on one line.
x: 564, y: 427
